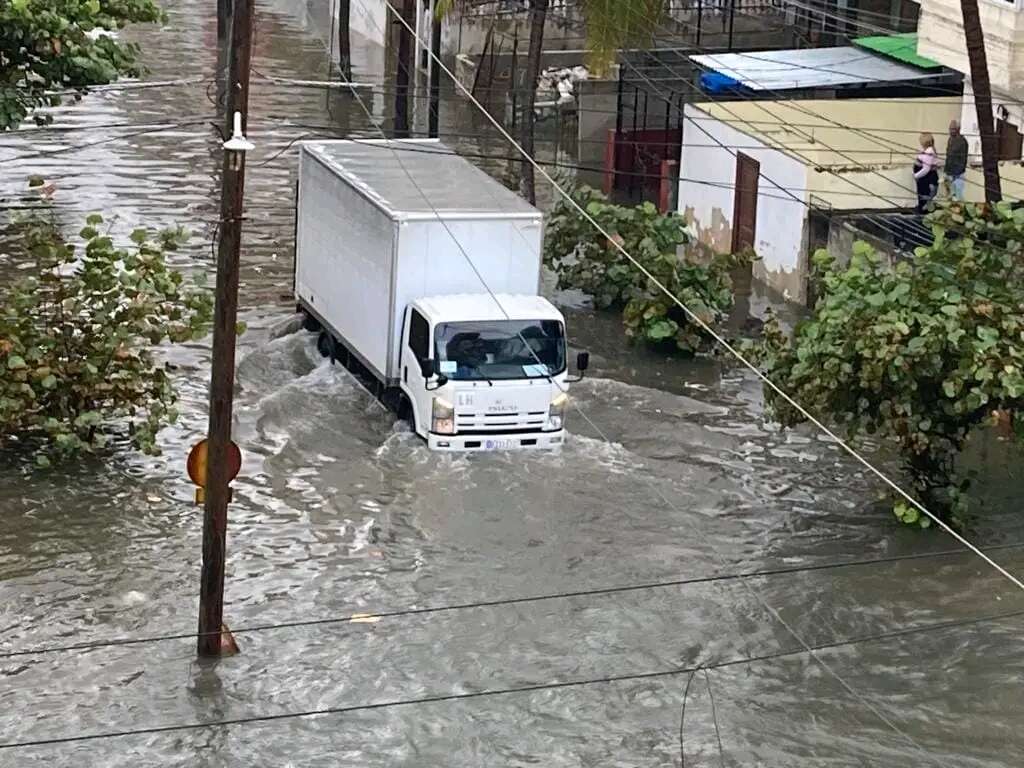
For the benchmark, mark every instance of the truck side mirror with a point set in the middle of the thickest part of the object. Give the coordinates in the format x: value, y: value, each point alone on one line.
x: 427, y: 369
x: 582, y: 361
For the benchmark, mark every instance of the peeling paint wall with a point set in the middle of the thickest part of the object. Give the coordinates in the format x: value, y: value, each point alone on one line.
x: 707, y: 178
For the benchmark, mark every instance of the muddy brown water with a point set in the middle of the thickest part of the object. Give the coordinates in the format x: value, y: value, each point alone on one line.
x: 340, y: 510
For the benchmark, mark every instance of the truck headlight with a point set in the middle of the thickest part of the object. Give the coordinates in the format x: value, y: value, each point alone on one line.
x: 442, y: 417
x: 556, y: 411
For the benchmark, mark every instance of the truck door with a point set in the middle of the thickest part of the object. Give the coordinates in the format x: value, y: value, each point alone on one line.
x: 415, y: 350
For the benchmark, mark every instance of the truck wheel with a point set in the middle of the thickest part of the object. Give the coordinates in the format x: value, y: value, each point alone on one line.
x: 310, y: 323
x: 406, y: 413
x: 324, y: 344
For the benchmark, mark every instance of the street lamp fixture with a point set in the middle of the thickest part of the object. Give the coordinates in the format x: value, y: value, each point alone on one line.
x: 237, y: 145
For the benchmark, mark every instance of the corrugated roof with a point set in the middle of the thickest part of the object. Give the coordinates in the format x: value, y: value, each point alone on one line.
x: 417, y: 177
x: 808, y: 68
x: 900, y: 47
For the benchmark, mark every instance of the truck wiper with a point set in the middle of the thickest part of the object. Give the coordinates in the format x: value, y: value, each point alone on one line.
x: 481, y: 373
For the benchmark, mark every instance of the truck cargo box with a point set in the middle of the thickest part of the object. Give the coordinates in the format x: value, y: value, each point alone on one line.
x: 383, y: 222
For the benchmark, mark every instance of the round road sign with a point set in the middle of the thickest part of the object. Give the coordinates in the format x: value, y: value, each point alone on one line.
x: 197, y: 461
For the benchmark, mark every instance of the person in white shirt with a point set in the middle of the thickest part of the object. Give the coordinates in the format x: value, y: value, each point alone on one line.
x: 925, y: 174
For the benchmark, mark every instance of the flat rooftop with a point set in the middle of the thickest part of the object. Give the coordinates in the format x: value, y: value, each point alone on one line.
x: 416, y: 177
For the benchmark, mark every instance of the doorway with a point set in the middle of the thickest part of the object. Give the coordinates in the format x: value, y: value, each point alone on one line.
x: 744, y: 208
x: 744, y: 234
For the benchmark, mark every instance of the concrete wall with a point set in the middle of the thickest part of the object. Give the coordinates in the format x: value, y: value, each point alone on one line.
x: 368, y: 18
x: 598, y: 100
x: 1002, y: 102
x: 707, y: 177
x: 941, y: 37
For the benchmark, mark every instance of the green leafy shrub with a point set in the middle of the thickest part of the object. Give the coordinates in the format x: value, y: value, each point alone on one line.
x: 48, y: 46
x: 76, y: 340
x: 920, y: 353
x: 583, y: 259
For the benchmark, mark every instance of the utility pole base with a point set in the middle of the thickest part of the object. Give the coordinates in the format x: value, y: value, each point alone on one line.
x: 223, y: 645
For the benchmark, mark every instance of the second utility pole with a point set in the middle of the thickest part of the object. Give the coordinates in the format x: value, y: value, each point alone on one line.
x: 225, y: 319
x: 978, y: 61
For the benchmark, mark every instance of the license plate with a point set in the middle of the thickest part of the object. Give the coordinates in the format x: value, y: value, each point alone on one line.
x: 499, y: 445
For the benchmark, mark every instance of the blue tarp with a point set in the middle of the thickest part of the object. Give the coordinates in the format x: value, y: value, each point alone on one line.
x: 716, y: 82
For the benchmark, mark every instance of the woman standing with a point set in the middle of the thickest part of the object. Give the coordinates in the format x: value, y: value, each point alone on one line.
x: 925, y: 174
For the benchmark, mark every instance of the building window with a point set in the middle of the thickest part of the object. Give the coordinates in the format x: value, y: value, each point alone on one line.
x: 1010, y: 140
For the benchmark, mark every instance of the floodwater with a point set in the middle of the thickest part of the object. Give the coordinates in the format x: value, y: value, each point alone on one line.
x: 340, y: 511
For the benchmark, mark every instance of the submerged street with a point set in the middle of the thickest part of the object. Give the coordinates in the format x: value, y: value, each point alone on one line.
x: 702, y: 535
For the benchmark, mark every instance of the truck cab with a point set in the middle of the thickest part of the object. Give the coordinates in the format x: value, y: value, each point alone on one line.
x: 485, y: 372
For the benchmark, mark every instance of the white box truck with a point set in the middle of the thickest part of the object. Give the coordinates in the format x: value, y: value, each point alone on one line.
x: 421, y: 273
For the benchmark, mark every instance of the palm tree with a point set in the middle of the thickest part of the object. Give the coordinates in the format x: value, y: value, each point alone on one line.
x: 613, y: 24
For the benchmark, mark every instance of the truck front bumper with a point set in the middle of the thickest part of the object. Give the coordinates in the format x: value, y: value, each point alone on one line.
x: 517, y: 441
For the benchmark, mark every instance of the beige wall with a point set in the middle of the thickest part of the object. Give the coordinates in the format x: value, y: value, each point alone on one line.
x: 858, y: 152
x: 941, y: 37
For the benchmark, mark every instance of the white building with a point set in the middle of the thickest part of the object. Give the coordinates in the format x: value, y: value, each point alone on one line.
x: 752, y: 173
x: 941, y: 37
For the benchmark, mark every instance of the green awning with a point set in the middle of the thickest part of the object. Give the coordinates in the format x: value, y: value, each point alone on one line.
x: 900, y: 47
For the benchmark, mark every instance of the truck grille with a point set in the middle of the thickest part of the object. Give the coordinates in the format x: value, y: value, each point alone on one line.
x: 489, y: 422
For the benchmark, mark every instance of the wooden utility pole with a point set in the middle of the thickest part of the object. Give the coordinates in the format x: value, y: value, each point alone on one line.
x: 975, y: 38
x: 538, y: 17
x: 433, y: 129
x: 222, y: 375
x: 223, y: 17
x: 403, y: 74
x: 344, y: 40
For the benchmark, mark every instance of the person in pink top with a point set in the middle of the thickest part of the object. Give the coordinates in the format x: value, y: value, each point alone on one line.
x: 926, y: 174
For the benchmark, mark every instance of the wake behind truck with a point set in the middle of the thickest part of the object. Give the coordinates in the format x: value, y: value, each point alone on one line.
x: 422, y: 273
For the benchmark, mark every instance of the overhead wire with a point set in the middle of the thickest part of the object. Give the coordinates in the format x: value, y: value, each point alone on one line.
x: 496, y: 602
x: 714, y: 334
x: 796, y: 105
x: 704, y: 326
x: 896, y: 232
x: 725, y: 344
x: 110, y: 139
x: 529, y: 159
x: 506, y: 691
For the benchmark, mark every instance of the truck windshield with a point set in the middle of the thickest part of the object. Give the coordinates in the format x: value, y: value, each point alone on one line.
x: 500, y: 349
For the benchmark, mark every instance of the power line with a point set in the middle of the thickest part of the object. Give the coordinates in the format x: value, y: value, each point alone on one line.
x: 527, y: 156
x: 885, y: 226
x: 728, y: 347
x: 512, y: 690
x: 793, y: 104
x: 108, y: 140
x: 498, y: 602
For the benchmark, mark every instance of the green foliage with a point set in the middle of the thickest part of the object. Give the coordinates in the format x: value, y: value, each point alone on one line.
x: 920, y: 353
x: 615, y: 24
x: 76, y: 339
x: 49, y: 46
x: 584, y: 259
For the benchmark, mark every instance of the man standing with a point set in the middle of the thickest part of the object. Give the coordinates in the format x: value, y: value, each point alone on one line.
x: 956, y: 161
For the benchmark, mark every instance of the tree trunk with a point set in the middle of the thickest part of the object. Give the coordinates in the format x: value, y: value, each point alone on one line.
x: 538, y: 15
x: 344, y: 40
x: 404, y: 72
x: 975, y: 38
